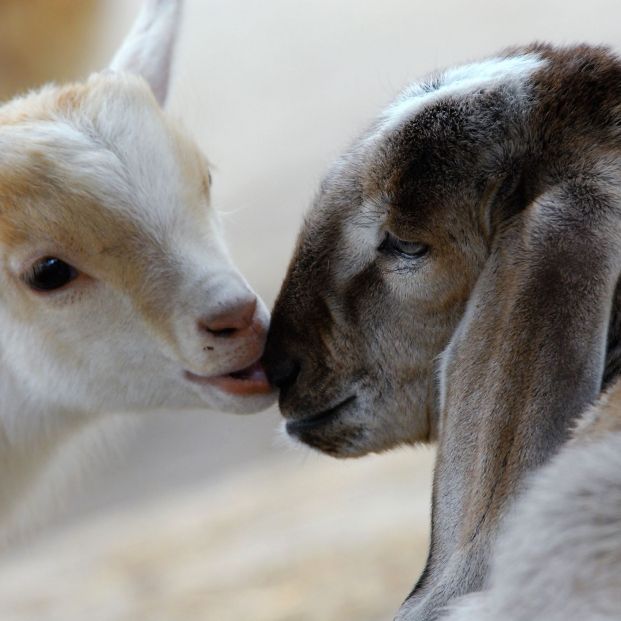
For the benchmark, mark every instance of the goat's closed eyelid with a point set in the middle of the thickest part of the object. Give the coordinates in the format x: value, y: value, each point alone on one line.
x: 408, y: 249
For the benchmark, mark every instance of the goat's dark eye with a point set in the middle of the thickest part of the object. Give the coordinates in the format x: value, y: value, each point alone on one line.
x: 393, y: 245
x: 50, y: 273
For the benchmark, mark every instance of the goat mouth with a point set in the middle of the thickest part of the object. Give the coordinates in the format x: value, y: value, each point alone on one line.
x: 251, y: 380
x: 311, y: 423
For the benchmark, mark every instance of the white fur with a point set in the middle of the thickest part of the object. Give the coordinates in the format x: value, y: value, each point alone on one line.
x: 362, y: 235
x: 109, y: 168
x: 459, y: 81
x: 148, y: 49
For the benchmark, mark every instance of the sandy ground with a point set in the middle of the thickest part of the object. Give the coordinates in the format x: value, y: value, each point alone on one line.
x: 273, y: 90
x: 275, y: 543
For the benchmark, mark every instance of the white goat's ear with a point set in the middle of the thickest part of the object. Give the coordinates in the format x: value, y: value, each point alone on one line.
x: 148, y: 48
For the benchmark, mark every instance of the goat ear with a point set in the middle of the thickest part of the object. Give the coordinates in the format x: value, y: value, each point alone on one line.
x: 529, y: 355
x: 526, y: 360
x: 148, y: 48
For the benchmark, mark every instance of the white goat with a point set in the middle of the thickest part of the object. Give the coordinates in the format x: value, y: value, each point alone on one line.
x: 116, y: 289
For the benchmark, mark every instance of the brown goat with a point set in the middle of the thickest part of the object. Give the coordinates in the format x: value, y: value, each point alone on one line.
x: 473, y: 235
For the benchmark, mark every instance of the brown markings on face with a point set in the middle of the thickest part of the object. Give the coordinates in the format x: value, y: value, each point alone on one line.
x: 103, y: 244
x: 309, y: 267
x: 40, y: 210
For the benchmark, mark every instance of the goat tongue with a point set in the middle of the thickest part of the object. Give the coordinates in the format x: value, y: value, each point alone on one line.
x: 249, y: 381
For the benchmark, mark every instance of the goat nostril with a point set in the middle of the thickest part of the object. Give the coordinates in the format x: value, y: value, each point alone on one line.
x: 230, y: 321
x: 284, y: 373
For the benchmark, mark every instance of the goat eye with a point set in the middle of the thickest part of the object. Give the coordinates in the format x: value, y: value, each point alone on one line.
x: 50, y: 273
x: 393, y: 245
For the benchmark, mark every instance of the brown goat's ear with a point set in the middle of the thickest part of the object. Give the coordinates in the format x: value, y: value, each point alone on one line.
x: 529, y: 354
x: 526, y: 360
x: 148, y: 48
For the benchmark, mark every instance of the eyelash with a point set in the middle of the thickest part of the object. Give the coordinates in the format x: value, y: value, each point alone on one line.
x: 409, y: 250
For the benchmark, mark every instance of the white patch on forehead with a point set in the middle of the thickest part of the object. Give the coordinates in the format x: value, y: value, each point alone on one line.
x: 361, y: 237
x: 513, y: 71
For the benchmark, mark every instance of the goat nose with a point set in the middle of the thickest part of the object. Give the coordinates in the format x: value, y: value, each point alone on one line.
x: 283, y: 373
x: 231, y: 320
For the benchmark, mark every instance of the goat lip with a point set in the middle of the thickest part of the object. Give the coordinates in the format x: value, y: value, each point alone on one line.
x: 309, y: 423
x: 250, y: 380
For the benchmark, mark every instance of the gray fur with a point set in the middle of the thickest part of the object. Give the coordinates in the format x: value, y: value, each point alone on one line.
x: 559, y: 555
x: 511, y: 176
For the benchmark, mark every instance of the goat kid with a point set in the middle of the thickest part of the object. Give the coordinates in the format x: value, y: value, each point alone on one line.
x: 478, y: 222
x: 117, y: 292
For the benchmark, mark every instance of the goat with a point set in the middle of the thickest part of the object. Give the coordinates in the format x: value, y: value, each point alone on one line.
x: 457, y: 280
x: 117, y: 291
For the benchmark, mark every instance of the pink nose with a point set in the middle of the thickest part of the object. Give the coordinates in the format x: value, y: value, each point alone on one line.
x: 230, y: 321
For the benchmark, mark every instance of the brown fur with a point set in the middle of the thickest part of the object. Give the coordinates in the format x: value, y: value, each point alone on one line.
x: 514, y: 186
x: 105, y: 237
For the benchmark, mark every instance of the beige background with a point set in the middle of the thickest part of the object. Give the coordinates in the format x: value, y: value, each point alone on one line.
x: 206, y: 516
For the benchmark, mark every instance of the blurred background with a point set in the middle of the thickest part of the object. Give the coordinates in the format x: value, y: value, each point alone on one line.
x: 199, y: 515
